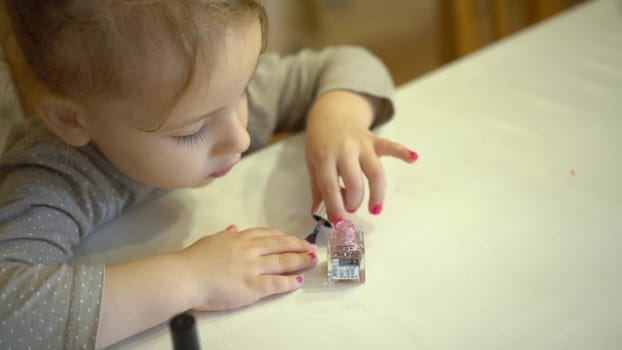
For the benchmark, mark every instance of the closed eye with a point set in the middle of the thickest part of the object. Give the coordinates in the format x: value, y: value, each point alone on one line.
x: 192, y: 139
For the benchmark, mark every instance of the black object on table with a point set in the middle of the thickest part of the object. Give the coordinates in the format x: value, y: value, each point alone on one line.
x: 184, y: 332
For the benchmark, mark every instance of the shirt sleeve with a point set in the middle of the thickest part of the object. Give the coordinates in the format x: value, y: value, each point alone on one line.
x: 284, y: 87
x: 45, y: 301
x: 51, y: 197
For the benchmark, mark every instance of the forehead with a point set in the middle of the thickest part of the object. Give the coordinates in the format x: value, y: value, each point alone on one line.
x: 221, y: 83
x: 167, y: 89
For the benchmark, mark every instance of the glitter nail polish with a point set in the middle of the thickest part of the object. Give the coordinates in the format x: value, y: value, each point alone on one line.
x: 346, y: 254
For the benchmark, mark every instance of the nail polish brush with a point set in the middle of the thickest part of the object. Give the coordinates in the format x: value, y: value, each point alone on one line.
x: 319, y: 215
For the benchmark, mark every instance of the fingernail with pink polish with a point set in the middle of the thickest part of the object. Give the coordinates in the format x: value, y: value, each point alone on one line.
x: 299, y: 279
x: 413, y: 156
x: 376, y: 209
x: 336, y: 220
x: 312, y: 255
x: 351, y: 211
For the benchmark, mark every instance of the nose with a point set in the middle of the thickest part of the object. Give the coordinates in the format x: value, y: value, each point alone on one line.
x: 233, y: 138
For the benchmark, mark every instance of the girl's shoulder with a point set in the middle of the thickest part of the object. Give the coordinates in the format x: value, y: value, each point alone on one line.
x: 32, y: 145
x: 26, y: 139
x: 39, y: 169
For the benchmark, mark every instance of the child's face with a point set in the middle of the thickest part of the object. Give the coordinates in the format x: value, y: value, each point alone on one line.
x: 205, y: 132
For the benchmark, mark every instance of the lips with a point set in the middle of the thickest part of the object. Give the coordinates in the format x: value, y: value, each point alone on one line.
x: 222, y: 172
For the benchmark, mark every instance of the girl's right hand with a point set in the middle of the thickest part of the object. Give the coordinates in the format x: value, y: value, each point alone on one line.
x: 232, y: 269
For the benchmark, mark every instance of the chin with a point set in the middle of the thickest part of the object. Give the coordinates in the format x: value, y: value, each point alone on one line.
x: 206, y: 181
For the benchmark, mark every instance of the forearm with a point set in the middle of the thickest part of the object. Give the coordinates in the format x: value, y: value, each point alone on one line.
x: 286, y: 87
x: 143, y: 293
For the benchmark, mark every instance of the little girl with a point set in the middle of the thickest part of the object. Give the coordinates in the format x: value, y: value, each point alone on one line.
x: 132, y: 98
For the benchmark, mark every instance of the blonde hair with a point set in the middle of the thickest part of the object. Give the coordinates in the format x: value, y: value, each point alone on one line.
x: 81, y: 49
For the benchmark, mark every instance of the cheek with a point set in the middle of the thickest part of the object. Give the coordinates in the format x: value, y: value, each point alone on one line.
x: 242, y: 111
x: 179, y: 166
x: 152, y: 159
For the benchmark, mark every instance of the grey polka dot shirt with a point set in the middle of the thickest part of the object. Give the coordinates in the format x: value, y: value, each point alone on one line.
x: 53, y: 195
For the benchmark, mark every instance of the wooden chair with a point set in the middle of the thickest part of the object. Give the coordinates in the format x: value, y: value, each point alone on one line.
x: 461, y: 21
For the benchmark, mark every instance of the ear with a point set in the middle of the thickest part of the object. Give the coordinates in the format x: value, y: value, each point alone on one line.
x: 65, y: 119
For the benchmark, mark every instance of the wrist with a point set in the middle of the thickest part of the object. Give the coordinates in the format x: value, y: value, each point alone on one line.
x: 141, y: 293
x: 343, y: 107
x: 188, y: 278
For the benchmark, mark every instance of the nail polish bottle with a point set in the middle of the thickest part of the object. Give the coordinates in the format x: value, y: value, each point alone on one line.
x: 346, y: 254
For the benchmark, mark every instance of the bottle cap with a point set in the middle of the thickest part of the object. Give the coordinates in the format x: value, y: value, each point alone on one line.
x: 345, y: 228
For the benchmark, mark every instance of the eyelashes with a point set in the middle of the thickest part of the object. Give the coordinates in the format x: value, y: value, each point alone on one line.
x: 190, y: 140
x: 198, y: 137
x: 193, y: 139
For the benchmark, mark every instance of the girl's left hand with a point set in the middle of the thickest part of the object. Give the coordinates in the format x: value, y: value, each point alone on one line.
x: 339, y: 144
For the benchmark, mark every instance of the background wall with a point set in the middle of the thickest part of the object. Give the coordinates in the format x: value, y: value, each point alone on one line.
x: 411, y: 36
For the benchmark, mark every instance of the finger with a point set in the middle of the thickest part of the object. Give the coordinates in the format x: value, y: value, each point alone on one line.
x: 258, y: 232
x: 281, y: 244
x: 377, y: 182
x: 350, y: 171
x: 287, y: 263
x: 231, y: 228
x: 328, y: 183
x: 316, y: 196
x: 275, y: 284
x: 384, y: 147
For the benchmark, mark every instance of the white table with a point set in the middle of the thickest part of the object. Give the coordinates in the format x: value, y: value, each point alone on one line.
x: 506, y: 234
